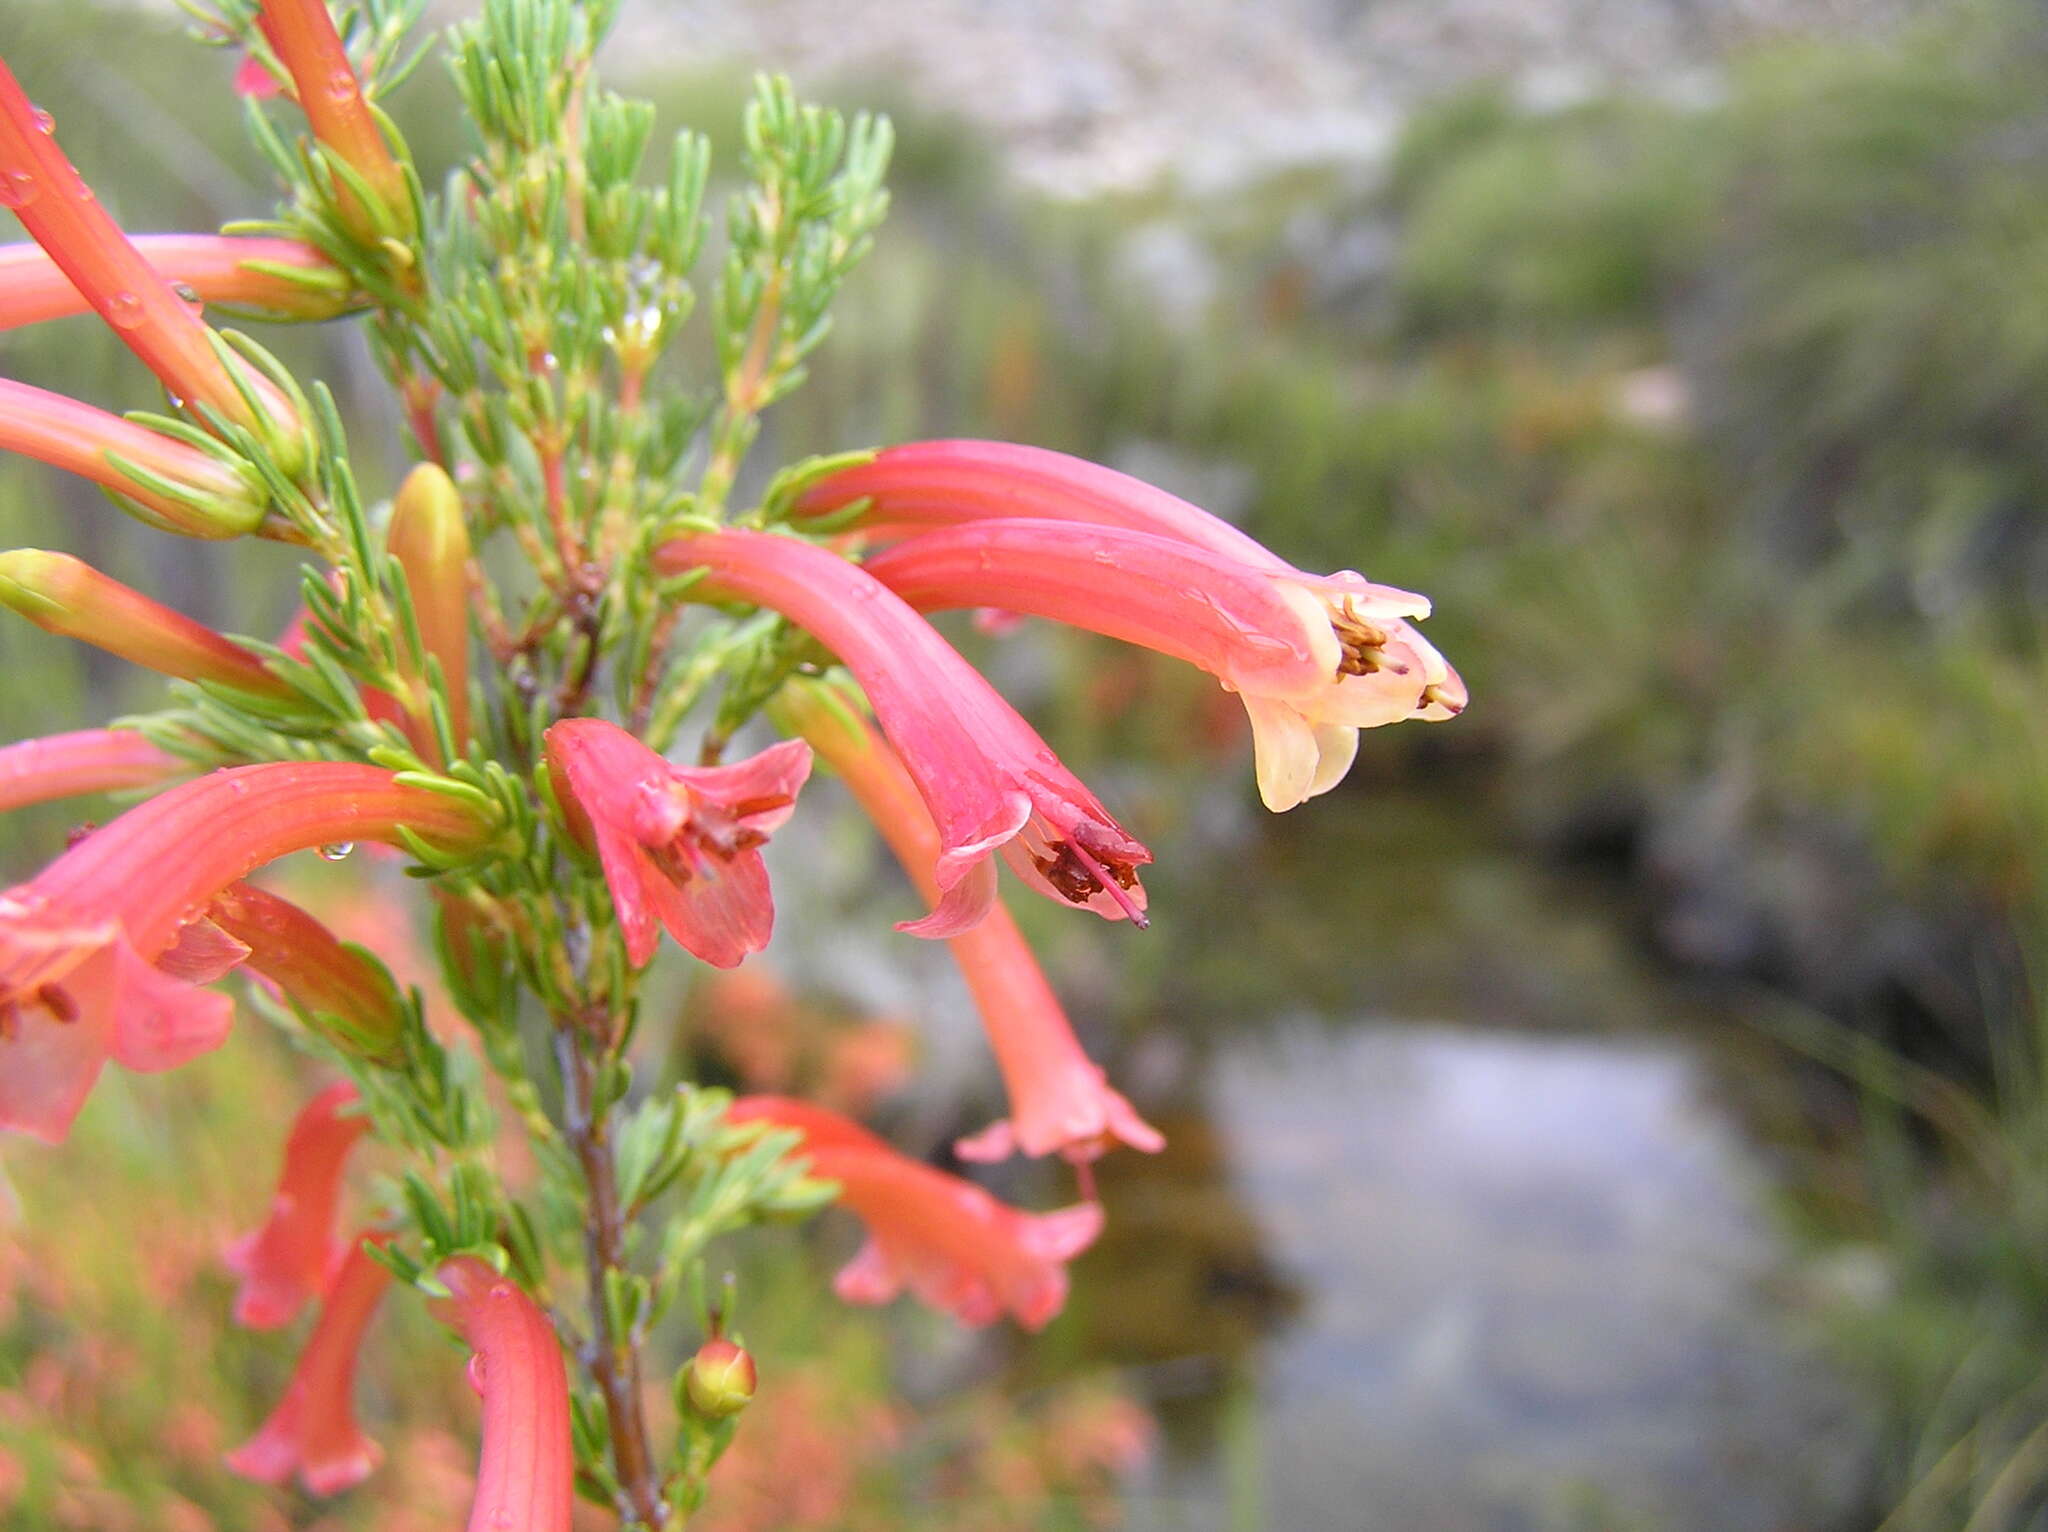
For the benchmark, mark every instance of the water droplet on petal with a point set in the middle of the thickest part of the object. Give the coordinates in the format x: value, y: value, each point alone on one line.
x: 17, y: 188
x: 341, y: 85
x: 549, y: 362
x: 501, y: 1291
x: 476, y: 1372
x: 336, y: 850
x: 44, y: 121
x: 124, y: 311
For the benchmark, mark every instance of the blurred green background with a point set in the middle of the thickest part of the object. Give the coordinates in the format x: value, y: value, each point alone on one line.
x: 1625, y: 1107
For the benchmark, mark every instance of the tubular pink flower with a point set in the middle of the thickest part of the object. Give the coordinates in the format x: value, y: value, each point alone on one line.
x: 289, y: 1260
x: 101, y: 954
x: 343, y: 992
x: 1059, y: 1099
x: 525, y: 1474
x: 1383, y: 670
x: 680, y: 845
x: 990, y: 782
x: 949, y: 1242
x: 68, y: 597
x: 313, y: 1431
x: 72, y: 765
x: 325, y: 85
x: 277, y: 278
x: 171, y: 484
x: 62, y: 215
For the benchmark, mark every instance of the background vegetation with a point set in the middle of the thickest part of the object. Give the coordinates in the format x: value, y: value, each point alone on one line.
x: 1715, y: 431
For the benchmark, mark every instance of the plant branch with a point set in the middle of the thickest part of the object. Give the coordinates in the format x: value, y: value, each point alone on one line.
x: 612, y: 1359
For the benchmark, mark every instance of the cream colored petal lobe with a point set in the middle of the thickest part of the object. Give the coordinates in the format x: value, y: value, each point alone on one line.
x: 1336, y: 749
x: 1284, y: 750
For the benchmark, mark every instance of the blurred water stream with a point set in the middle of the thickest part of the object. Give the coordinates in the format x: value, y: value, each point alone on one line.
x: 1482, y: 1238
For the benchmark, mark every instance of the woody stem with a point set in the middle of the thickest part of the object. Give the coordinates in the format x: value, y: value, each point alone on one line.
x: 613, y: 1359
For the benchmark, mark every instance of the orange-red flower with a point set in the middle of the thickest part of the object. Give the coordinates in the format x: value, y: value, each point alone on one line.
x: 289, y: 1259
x: 680, y: 845
x: 313, y: 1432
x: 946, y: 1240
x: 526, y: 1472
x: 1059, y: 1098
x: 990, y: 782
x: 343, y: 992
x: 62, y: 215
x: 68, y: 597
x: 1372, y: 667
x: 175, y: 485
x: 276, y: 278
x: 72, y: 765
x: 101, y: 952
x: 324, y: 83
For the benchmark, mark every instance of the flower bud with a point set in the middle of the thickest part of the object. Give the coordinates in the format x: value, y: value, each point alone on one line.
x: 719, y: 1380
x: 174, y: 484
x: 63, y: 595
x: 431, y: 542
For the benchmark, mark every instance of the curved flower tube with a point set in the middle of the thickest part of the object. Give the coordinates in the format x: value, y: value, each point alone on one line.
x: 1311, y: 674
x: 91, y: 962
x: 175, y: 486
x: 324, y: 84
x: 313, y: 1431
x: 68, y: 597
x: 87, y: 761
x: 288, y: 1261
x: 1303, y: 750
x: 1060, y: 1101
x: 341, y: 990
x: 946, y: 1240
x: 275, y: 278
x: 62, y: 215
x: 990, y: 782
x: 679, y: 844
x: 525, y: 1474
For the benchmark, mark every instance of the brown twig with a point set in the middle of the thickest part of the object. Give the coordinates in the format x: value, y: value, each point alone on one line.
x: 613, y: 1360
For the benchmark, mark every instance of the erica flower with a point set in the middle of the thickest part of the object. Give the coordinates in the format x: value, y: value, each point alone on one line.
x: 680, y: 845
x: 946, y: 1240
x: 288, y: 1260
x: 100, y: 954
x: 313, y: 1431
x: 62, y: 215
x: 1378, y: 668
x: 72, y: 765
x: 990, y: 782
x: 301, y: 33
x: 430, y: 540
x: 1059, y: 1099
x: 194, y: 488
x: 343, y: 992
x: 67, y: 596
x: 525, y: 1474
x: 275, y: 278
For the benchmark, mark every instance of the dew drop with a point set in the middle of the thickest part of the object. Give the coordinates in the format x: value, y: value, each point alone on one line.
x: 45, y: 123
x: 17, y: 188
x: 124, y: 311
x: 341, y: 85
x: 336, y: 850
x: 476, y: 1372
x: 549, y: 361
x: 500, y: 1291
